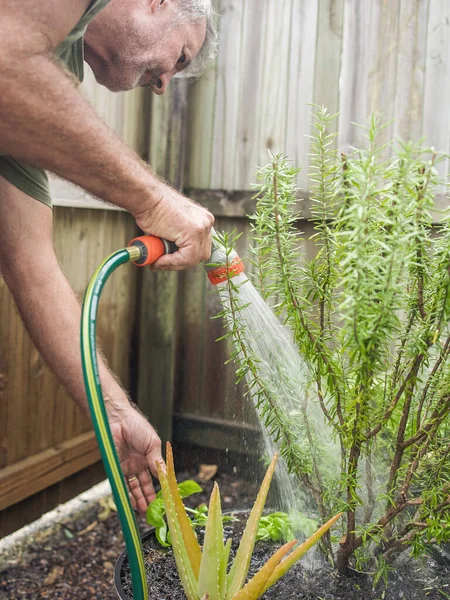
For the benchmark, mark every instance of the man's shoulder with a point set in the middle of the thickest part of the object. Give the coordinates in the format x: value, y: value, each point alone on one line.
x: 70, y: 51
x: 79, y: 30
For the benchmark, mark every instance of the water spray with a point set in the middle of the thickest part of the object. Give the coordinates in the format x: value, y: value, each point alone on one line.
x: 142, y: 251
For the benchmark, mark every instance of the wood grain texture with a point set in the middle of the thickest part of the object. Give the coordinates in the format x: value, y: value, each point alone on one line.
x: 200, y: 123
x: 36, y: 473
x: 273, y: 105
x: 300, y: 83
x: 356, y: 58
x: 355, y: 71
x: 156, y: 349
x: 35, y: 411
x: 328, y: 54
x: 167, y: 149
x: 436, y: 116
x: 251, y: 75
x: 157, y: 329
x: 411, y: 61
x: 227, y: 107
x: 30, y: 509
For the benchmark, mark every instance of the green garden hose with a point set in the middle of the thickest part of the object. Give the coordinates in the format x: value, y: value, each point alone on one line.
x: 142, y: 251
x: 100, y: 419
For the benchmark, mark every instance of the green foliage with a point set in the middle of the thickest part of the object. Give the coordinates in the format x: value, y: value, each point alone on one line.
x: 370, y: 315
x: 276, y: 527
x: 204, y: 571
x: 157, y: 510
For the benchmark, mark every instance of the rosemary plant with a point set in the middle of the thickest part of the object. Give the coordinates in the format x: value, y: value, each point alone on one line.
x: 370, y: 316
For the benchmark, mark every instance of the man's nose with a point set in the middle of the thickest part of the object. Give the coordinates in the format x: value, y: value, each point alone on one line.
x: 161, y: 84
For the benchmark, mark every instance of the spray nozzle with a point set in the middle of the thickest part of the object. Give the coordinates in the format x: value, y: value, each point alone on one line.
x: 223, y: 264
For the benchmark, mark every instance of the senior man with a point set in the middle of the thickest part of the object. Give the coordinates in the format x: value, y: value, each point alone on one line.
x: 46, y: 124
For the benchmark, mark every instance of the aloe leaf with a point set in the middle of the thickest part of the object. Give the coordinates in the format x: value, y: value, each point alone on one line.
x: 287, y: 563
x: 189, y: 537
x: 223, y: 569
x: 213, y: 550
x: 184, y: 566
x: 239, y: 570
x: 254, y: 588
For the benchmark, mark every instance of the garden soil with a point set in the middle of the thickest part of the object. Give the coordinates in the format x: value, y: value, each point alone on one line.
x: 75, y: 561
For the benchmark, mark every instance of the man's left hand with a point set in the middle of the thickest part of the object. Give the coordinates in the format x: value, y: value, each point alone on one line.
x: 139, y: 449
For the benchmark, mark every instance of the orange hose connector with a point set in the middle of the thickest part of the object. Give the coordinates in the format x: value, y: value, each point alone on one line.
x: 151, y: 249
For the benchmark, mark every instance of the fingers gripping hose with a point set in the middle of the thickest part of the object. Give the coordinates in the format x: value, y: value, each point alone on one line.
x: 142, y: 251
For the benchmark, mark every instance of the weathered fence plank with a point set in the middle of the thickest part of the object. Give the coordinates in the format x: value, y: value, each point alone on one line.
x: 353, y: 57
x: 355, y: 71
x: 254, y: 23
x: 156, y: 337
x: 384, y: 39
x: 36, y: 414
x: 436, y: 116
x: 411, y: 58
x: 300, y: 84
x: 272, y: 106
x: 36, y: 473
x: 227, y: 95
x: 328, y: 55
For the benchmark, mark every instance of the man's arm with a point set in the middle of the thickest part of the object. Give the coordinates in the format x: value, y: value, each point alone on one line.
x: 52, y: 315
x: 46, y: 122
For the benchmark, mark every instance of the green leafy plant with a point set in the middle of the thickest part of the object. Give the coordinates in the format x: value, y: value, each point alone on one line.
x: 370, y: 316
x: 276, y: 527
x: 204, y: 571
x: 156, y: 511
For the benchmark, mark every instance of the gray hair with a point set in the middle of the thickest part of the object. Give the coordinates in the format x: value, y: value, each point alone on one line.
x: 195, y: 10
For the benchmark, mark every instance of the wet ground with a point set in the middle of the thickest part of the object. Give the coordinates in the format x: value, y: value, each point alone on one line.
x: 75, y: 561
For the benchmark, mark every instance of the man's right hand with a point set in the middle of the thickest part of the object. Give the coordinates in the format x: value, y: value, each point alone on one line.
x: 177, y: 219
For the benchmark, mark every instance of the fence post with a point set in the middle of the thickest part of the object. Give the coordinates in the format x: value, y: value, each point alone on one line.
x: 158, y: 298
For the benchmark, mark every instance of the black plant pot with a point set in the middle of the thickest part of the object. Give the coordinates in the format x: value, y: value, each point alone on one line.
x: 145, y: 539
x: 119, y: 567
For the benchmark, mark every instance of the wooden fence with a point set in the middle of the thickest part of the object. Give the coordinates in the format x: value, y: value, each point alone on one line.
x: 44, y: 438
x: 355, y: 57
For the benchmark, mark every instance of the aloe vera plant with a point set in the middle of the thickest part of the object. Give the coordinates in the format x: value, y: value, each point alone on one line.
x: 204, y: 571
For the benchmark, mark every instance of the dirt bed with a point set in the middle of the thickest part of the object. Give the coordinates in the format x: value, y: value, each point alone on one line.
x: 424, y: 580
x: 75, y: 561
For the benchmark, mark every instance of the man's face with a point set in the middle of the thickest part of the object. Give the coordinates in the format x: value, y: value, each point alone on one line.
x: 141, y: 45
x: 172, y: 54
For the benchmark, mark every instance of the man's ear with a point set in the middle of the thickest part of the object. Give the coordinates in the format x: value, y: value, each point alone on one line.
x: 155, y: 4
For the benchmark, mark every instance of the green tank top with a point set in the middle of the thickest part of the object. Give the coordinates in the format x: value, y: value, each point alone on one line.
x: 31, y: 180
